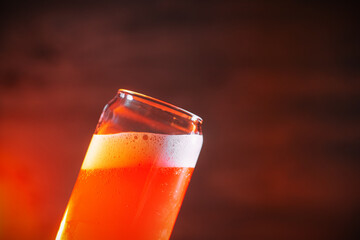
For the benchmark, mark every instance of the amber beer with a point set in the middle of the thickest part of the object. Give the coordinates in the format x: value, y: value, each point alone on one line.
x: 130, y: 186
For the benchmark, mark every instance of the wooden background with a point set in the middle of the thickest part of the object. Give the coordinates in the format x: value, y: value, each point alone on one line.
x: 276, y: 83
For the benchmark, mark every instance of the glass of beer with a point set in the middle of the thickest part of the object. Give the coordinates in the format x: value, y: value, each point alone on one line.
x: 135, y: 172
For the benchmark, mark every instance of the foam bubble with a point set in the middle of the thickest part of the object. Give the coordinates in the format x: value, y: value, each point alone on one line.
x: 132, y: 149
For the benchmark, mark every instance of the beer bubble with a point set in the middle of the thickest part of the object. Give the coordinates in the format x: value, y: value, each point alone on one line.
x: 132, y: 148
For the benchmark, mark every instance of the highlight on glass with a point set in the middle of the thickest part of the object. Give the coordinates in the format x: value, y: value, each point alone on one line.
x: 135, y: 173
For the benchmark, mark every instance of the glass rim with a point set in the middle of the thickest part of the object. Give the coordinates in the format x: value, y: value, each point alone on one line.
x: 163, y: 105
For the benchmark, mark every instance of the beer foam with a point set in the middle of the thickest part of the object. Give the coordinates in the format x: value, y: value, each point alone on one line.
x: 130, y: 149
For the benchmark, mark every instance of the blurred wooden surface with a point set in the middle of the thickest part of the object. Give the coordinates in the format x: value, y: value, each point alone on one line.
x: 277, y: 85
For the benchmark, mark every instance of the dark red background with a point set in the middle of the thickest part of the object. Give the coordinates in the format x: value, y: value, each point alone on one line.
x: 276, y: 83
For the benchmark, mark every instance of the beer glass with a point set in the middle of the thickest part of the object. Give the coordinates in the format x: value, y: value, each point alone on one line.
x: 135, y: 172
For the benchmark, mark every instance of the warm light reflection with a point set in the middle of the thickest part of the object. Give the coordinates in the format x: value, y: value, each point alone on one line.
x: 62, y: 225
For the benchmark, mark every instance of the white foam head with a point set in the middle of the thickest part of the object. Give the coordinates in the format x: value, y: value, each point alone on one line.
x: 132, y: 149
